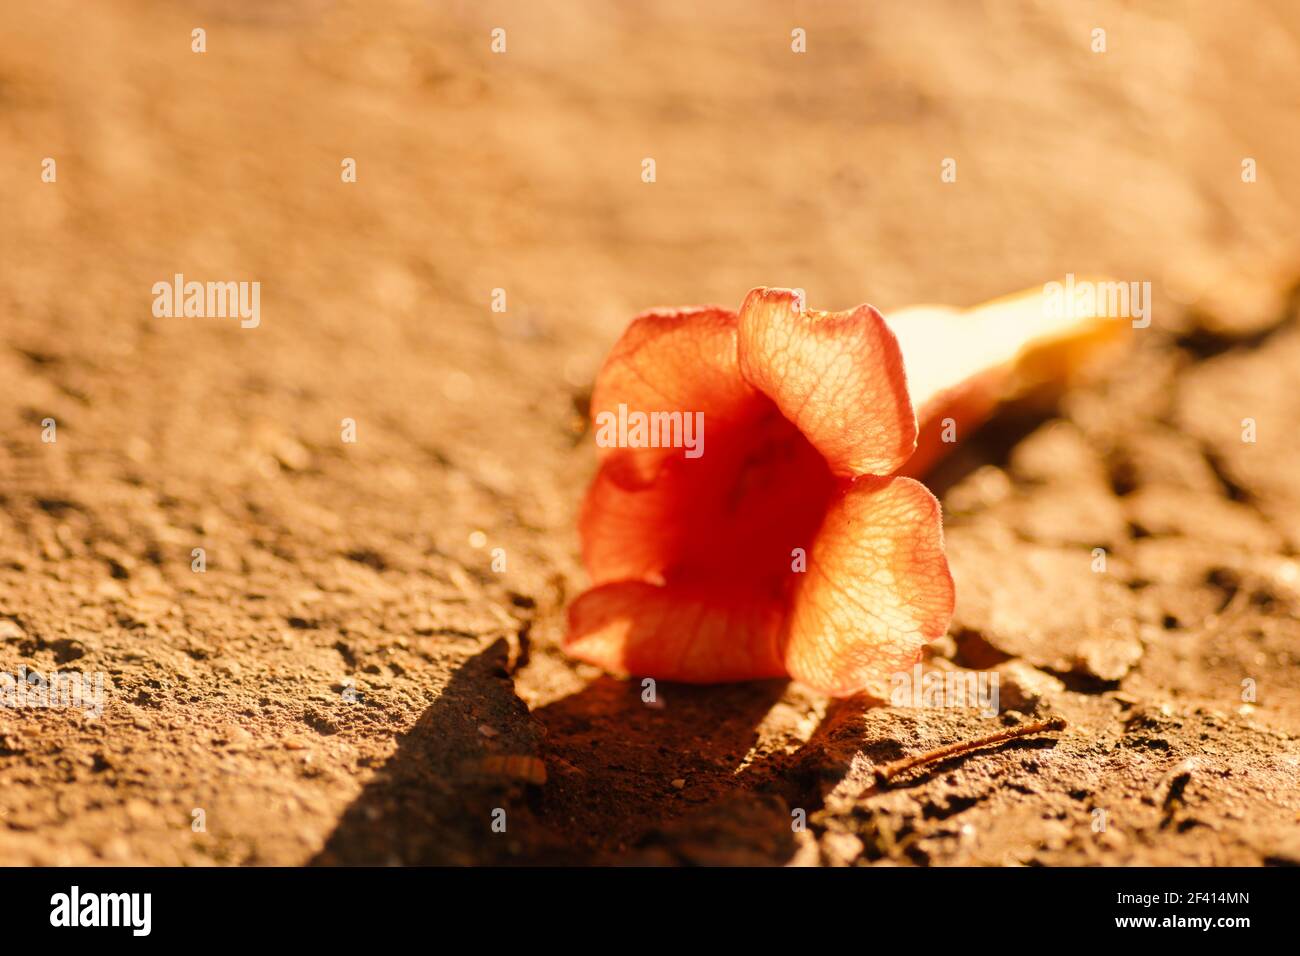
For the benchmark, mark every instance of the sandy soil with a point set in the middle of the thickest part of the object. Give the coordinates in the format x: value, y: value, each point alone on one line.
x: 349, y: 680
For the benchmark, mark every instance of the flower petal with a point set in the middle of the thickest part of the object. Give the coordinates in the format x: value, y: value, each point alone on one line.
x: 876, y: 590
x: 962, y: 364
x: 631, y: 534
x: 728, y: 519
x: 671, y: 360
x: 838, y: 376
x: 696, y: 635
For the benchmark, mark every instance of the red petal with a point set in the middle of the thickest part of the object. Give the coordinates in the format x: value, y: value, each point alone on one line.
x: 697, y: 635
x: 680, y: 360
x: 728, y: 519
x: 877, y: 589
x: 631, y: 534
x: 837, y: 375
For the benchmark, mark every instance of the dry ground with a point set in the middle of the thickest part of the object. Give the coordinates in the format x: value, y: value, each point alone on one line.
x: 328, y: 690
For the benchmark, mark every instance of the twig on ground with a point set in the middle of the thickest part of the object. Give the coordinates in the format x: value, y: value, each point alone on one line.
x: 887, y: 772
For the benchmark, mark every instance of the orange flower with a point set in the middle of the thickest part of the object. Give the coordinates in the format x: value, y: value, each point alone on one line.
x: 785, y: 548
